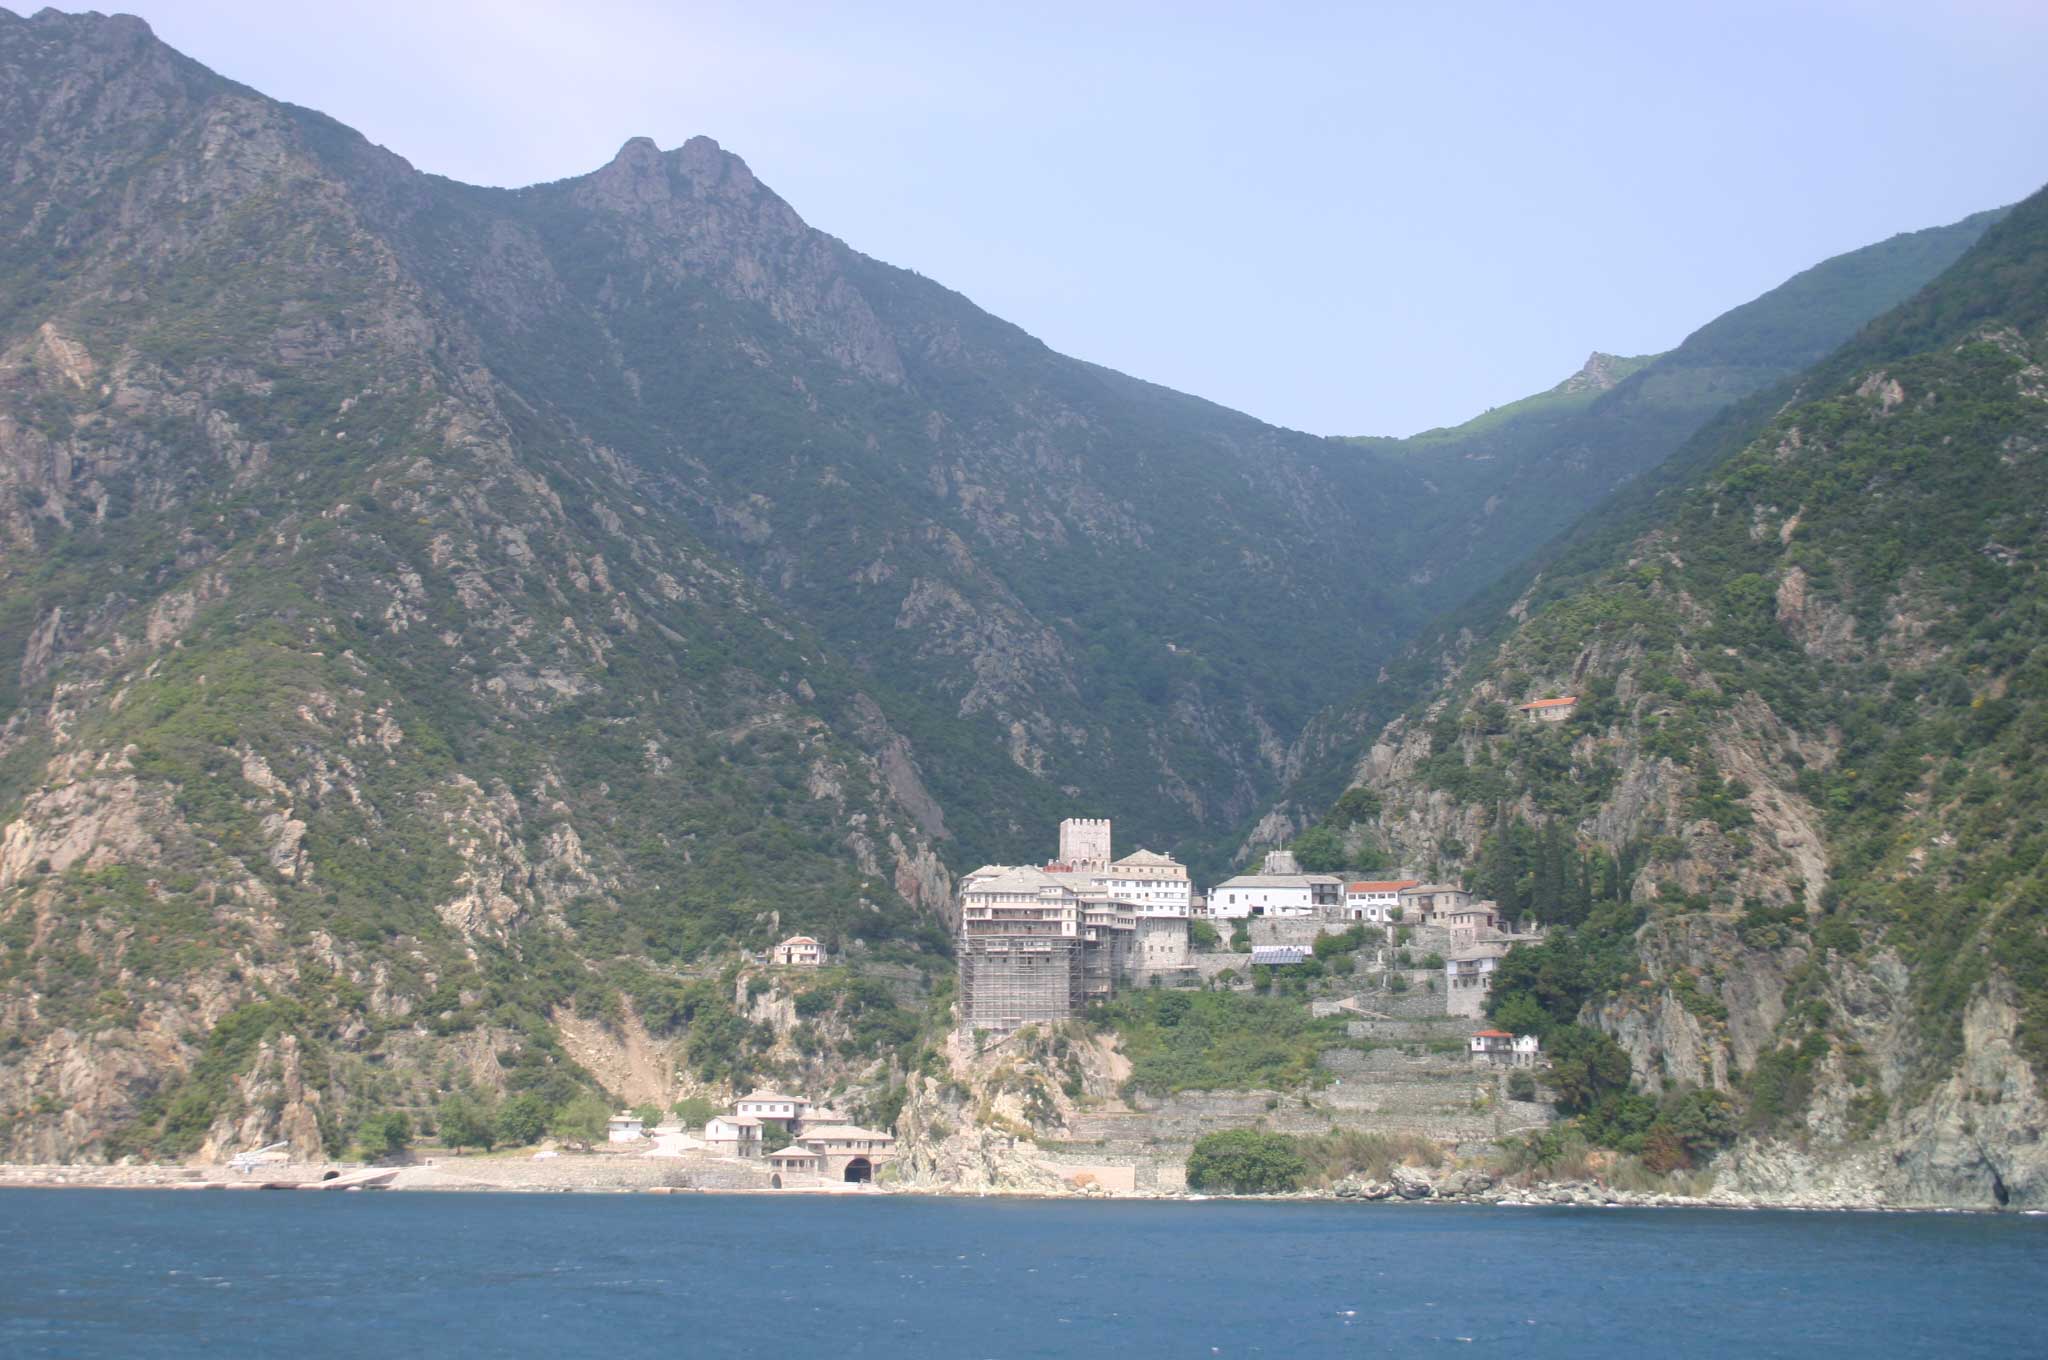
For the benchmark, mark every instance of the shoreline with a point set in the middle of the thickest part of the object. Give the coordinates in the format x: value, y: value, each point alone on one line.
x: 431, y: 1178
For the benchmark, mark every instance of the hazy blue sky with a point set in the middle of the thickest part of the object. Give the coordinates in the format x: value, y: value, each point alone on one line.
x: 1345, y: 218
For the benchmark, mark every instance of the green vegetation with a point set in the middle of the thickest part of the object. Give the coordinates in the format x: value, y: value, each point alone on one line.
x: 385, y: 1135
x: 462, y: 1121
x: 1246, y: 1162
x: 693, y: 1111
x: 1209, y: 1041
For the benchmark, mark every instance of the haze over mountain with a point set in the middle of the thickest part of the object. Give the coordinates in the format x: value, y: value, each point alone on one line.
x: 435, y: 618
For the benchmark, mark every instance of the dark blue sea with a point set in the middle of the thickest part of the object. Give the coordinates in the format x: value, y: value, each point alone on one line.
x: 177, y: 1273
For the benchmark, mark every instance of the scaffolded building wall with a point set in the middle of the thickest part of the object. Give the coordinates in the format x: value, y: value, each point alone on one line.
x: 1008, y: 981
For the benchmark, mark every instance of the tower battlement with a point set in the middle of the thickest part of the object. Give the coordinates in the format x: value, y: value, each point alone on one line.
x: 1084, y: 842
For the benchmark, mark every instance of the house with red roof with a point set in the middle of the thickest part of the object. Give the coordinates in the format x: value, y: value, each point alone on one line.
x: 1375, y: 900
x: 1549, y: 710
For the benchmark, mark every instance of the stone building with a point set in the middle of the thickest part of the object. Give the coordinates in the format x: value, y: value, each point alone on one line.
x: 1084, y: 843
x: 1036, y: 944
x: 1468, y: 976
x: 1549, y: 710
x: 1424, y: 902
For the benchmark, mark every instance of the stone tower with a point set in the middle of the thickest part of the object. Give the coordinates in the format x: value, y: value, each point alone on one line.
x: 1084, y: 842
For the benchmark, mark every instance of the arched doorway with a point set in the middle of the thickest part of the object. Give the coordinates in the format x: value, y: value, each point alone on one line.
x: 860, y: 1171
x: 775, y: 1181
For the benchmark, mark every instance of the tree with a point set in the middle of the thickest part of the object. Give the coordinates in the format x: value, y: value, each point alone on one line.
x: 1246, y: 1162
x: 693, y: 1111
x: 774, y: 1137
x: 1202, y: 935
x: 648, y: 1115
x: 385, y: 1134
x: 581, y: 1120
x: 1547, y: 874
x: 522, y: 1120
x: 464, y: 1123
x: 1585, y: 1065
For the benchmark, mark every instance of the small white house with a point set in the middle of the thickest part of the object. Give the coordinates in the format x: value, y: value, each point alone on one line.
x: 624, y: 1128
x: 1498, y: 1048
x: 733, y: 1135
x: 799, y: 951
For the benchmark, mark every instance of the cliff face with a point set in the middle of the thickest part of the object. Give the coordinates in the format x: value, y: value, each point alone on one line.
x: 1808, y: 677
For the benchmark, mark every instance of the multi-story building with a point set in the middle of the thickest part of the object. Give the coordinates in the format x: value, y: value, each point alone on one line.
x: 1037, y: 944
x: 1153, y: 884
x: 1375, y: 900
x: 1422, y: 903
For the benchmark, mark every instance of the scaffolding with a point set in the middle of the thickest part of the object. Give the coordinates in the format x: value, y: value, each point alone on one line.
x: 1009, y: 981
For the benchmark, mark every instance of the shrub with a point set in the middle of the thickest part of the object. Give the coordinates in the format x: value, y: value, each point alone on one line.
x: 693, y: 1111
x: 1246, y: 1162
x: 385, y: 1134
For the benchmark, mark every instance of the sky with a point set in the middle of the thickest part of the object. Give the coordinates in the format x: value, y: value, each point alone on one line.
x: 1346, y: 218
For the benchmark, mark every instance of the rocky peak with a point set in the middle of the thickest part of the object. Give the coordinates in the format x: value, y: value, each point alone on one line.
x: 1597, y: 374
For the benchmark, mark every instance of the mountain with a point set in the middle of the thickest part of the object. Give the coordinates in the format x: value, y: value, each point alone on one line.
x: 440, y: 627
x: 1551, y: 456
x: 1506, y: 483
x: 440, y: 624
x: 1792, y: 828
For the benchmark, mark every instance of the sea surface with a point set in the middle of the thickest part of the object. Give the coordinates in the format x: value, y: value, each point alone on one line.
x: 182, y: 1273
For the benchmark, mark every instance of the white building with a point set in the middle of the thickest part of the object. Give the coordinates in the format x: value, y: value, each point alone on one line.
x: 772, y: 1107
x: 1276, y: 895
x: 1375, y: 900
x: 624, y: 1128
x: 1498, y: 1048
x: 733, y: 1135
x: 1152, y: 884
x: 799, y: 951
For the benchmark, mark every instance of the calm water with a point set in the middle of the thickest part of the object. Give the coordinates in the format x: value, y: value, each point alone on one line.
x: 135, y: 1273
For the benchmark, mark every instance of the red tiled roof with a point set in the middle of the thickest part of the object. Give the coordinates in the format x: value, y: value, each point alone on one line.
x: 1493, y: 1034
x: 1548, y: 703
x: 1385, y: 885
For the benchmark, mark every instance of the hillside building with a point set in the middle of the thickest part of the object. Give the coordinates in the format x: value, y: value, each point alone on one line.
x: 1267, y: 894
x: 1375, y: 901
x: 1422, y: 903
x: 1498, y: 1048
x: 1037, y: 944
x: 1549, y: 710
x: 733, y: 1135
x: 799, y: 951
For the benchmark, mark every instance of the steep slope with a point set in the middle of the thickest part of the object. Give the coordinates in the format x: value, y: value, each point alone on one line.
x: 1792, y: 821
